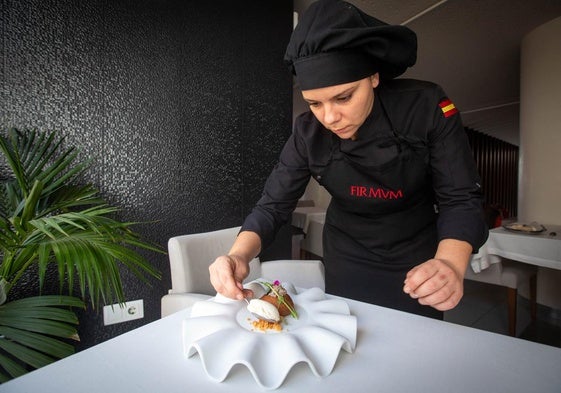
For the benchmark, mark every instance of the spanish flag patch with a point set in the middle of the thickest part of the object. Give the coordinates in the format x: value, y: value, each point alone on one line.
x: 448, y: 108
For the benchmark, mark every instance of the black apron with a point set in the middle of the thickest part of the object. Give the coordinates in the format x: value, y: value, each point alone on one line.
x: 381, y: 221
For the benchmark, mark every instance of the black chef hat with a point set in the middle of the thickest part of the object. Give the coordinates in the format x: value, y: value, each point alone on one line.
x: 335, y: 42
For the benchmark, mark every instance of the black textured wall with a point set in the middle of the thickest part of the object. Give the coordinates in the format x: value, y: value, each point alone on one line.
x: 184, y: 106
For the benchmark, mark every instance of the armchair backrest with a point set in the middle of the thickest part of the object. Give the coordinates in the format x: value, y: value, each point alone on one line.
x: 191, y: 255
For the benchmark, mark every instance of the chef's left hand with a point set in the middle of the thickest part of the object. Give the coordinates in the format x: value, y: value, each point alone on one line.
x: 435, y: 283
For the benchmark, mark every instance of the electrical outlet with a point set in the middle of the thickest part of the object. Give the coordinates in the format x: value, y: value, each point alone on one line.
x: 118, y: 313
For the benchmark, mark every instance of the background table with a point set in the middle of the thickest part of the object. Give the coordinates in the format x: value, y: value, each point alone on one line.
x: 313, y: 241
x: 301, y: 216
x: 396, y: 352
x: 540, y: 249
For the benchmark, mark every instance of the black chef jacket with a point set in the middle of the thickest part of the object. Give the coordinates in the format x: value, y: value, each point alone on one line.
x: 406, y: 182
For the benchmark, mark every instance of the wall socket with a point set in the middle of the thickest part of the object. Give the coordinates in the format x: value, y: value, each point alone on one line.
x: 118, y: 313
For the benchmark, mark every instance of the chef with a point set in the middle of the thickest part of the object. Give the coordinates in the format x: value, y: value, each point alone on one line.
x: 406, y: 207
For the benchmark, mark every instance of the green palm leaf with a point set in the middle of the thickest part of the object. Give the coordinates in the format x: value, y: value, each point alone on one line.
x: 91, y: 246
x: 47, y: 218
x: 34, y: 332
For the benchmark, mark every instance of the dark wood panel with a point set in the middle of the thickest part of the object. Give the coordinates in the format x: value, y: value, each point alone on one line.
x: 497, y: 163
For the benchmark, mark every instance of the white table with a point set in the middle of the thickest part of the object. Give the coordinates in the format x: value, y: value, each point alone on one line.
x: 396, y: 352
x: 301, y: 216
x: 541, y: 249
x: 313, y: 241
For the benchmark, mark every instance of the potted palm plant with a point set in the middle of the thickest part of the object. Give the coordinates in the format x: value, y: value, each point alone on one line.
x: 50, y: 222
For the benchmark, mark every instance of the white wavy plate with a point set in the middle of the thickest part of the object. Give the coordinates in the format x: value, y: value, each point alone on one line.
x: 220, y: 331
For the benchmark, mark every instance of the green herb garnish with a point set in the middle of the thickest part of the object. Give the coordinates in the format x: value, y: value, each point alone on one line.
x: 280, y: 297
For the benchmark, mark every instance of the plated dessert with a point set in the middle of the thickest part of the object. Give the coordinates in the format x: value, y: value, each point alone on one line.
x: 272, y: 305
x: 220, y: 330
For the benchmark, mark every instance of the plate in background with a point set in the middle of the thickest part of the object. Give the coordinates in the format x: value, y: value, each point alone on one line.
x: 519, y: 227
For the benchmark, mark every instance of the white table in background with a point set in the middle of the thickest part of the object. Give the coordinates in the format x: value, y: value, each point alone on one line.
x: 301, y: 216
x: 541, y: 249
x: 396, y: 352
x: 313, y: 241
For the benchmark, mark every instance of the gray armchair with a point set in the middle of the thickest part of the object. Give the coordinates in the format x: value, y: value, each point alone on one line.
x: 190, y: 256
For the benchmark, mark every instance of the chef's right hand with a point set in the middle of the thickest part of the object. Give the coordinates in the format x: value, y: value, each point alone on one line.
x: 227, y: 274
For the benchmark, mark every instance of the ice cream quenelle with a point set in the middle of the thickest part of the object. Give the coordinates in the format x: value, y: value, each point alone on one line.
x: 270, y: 304
x: 263, y: 310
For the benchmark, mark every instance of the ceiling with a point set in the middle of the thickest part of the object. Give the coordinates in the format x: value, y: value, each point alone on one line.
x: 472, y: 49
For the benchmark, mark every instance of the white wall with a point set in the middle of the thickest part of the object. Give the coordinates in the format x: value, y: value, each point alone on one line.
x: 539, y: 195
